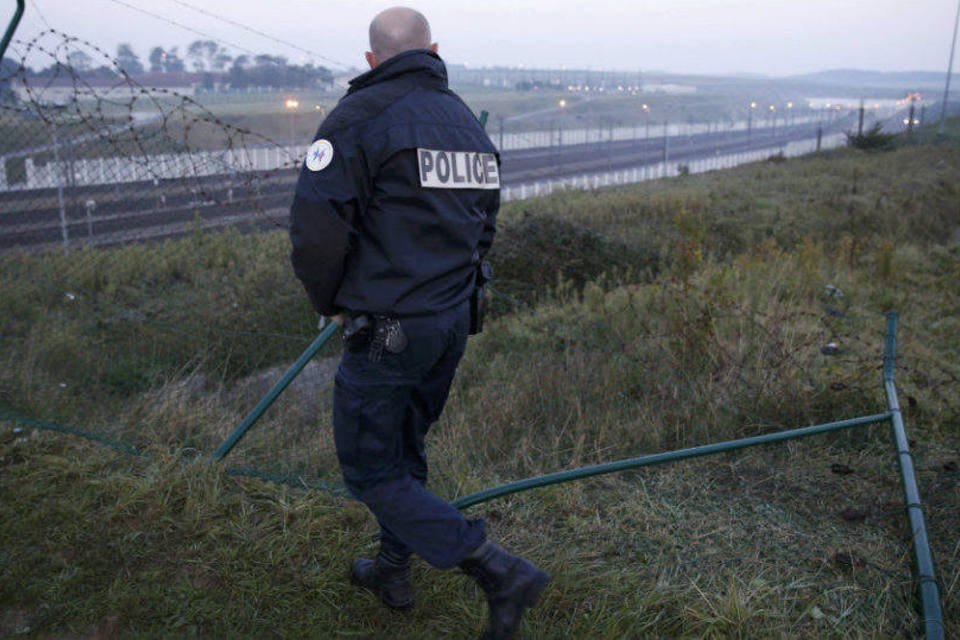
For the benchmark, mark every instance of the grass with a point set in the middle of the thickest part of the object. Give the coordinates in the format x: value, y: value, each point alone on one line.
x: 627, y: 320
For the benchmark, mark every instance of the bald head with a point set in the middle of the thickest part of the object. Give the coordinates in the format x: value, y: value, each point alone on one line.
x: 397, y: 30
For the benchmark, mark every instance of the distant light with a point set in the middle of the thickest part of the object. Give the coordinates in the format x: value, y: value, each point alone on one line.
x: 753, y: 105
x: 772, y: 108
x: 562, y: 103
x: 789, y: 105
x: 317, y: 107
x: 646, y: 107
x: 292, y: 104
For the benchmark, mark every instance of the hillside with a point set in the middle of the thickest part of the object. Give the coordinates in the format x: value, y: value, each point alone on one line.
x: 627, y: 321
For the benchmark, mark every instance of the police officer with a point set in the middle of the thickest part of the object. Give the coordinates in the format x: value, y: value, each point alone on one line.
x: 394, y: 211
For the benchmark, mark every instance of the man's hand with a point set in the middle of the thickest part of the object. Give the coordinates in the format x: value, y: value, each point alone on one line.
x: 340, y: 318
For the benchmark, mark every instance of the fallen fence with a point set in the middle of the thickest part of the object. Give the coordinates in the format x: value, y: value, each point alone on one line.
x: 928, y: 588
x: 929, y: 591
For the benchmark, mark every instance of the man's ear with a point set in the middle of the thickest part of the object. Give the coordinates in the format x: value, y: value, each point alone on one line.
x: 434, y: 47
x: 371, y: 59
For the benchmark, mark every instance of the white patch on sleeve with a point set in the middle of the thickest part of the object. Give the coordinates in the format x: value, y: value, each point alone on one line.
x: 319, y: 155
x: 457, y: 169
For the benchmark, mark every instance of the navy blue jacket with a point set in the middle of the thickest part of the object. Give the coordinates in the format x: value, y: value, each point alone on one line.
x: 397, y: 199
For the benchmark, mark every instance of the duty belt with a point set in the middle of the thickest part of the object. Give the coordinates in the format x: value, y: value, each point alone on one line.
x: 385, y: 332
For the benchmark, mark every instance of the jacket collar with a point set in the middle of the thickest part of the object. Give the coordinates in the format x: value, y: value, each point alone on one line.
x: 420, y: 61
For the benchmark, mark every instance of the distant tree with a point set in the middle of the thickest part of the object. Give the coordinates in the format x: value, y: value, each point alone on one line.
x: 79, y: 61
x: 172, y: 63
x: 8, y: 71
x: 275, y: 72
x: 128, y: 60
x: 103, y: 71
x: 205, y: 55
x: 221, y: 61
x: 156, y: 60
x: 237, y: 74
x: 320, y: 75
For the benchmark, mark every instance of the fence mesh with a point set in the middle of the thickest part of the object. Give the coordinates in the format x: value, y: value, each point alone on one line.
x: 126, y: 220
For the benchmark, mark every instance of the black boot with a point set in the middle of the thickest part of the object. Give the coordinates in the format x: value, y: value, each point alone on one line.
x: 387, y: 576
x: 511, y: 583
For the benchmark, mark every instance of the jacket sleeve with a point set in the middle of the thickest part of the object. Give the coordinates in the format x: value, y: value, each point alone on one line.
x: 326, y: 208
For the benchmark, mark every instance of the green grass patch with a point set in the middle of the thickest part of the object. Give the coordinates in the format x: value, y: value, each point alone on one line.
x: 629, y: 321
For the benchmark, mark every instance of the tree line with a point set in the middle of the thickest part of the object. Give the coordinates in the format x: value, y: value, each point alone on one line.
x: 214, y: 64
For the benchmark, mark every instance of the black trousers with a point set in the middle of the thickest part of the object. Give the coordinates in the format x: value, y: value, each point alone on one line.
x: 381, y: 414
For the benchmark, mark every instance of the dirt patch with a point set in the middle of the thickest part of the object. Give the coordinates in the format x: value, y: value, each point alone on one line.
x: 305, y: 390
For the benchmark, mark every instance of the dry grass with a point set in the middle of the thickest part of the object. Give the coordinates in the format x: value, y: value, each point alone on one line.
x: 710, y: 328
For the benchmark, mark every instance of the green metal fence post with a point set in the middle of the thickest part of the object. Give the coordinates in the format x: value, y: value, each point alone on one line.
x: 12, y: 27
x: 929, y: 590
x: 275, y: 391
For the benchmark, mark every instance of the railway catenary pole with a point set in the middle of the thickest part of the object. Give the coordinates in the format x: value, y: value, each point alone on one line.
x: 665, y: 143
x: 946, y: 88
x: 860, y: 123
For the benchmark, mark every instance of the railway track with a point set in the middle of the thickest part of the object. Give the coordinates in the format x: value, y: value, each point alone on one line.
x: 161, y: 209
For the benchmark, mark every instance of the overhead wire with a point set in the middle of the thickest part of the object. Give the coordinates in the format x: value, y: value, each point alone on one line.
x: 36, y: 8
x: 260, y: 33
x: 183, y: 26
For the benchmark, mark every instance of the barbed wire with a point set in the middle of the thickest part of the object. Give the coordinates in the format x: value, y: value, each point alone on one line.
x: 109, y: 132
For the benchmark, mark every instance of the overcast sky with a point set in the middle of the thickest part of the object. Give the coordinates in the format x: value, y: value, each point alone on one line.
x: 776, y: 37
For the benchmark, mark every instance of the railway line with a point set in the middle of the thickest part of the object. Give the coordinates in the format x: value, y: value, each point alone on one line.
x: 111, y: 214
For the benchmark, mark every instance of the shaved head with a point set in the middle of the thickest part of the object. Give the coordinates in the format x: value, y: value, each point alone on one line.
x: 396, y: 30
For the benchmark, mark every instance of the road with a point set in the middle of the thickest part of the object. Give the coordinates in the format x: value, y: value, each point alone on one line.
x: 143, y: 211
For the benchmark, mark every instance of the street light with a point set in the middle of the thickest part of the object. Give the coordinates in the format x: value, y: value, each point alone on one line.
x: 753, y: 105
x: 291, y: 105
x: 646, y: 117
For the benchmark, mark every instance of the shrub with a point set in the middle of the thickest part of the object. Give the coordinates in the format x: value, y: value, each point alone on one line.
x: 873, y: 140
